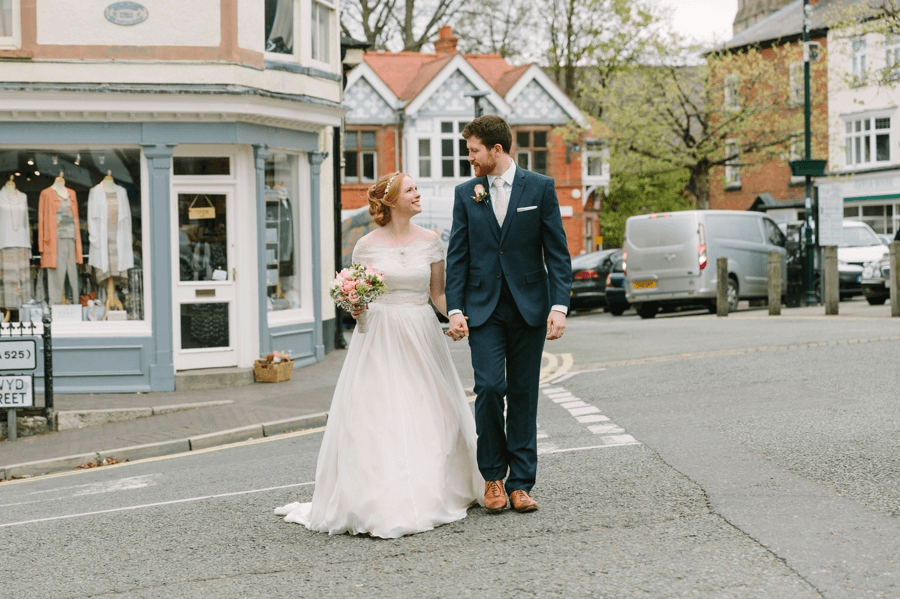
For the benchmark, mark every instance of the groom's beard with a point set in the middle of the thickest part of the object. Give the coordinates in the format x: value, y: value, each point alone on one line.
x: 483, y: 168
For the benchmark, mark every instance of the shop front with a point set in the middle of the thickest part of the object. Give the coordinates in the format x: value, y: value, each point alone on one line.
x: 162, y: 247
x: 872, y: 197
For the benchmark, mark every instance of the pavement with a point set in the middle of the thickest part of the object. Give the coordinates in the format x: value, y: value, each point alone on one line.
x: 134, y: 426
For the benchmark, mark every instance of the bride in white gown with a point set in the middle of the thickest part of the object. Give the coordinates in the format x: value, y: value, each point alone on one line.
x: 398, y: 454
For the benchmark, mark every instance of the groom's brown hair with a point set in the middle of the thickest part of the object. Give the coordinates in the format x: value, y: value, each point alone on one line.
x: 491, y: 130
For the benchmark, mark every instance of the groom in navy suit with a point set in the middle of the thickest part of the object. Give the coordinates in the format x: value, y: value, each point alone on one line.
x: 508, y: 281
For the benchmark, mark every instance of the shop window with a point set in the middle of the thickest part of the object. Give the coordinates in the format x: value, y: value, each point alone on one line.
x: 454, y: 153
x: 279, y: 32
x: 9, y: 24
x: 322, y: 15
x: 867, y: 141
x: 360, y: 157
x: 531, y: 150
x: 282, y: 214
x: 71, y: 234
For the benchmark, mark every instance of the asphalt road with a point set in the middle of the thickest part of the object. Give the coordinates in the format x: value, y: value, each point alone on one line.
x: 681, y: 456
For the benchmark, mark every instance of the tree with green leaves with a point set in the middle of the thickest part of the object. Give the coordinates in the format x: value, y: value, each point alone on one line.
x: 733, y: 108
x: 632, y: 194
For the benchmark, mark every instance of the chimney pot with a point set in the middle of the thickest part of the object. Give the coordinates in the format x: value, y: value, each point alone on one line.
x: 446, y: 43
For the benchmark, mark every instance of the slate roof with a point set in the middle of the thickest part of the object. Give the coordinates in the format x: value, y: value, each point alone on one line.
x: 788, y: 22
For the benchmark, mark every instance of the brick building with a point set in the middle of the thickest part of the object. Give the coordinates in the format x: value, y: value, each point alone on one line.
x: 408, y: 109
x: 769, y: 180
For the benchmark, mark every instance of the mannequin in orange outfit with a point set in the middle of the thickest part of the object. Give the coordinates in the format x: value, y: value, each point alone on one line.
x: 59, y: 239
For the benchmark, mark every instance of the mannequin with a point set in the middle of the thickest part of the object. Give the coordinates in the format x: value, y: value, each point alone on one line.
x: 59, y: 239
x: 15, y: 249
x: 109, y: 229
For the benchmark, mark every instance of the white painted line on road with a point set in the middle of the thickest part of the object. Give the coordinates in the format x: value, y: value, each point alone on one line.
x: 620, y: 439
x: 146, y: 505
x: 606, y: 429
x: 582, y: 411
x: 586, y: 448
x: 592, y: 418
x: 565, y: 398
x: 574, y: 404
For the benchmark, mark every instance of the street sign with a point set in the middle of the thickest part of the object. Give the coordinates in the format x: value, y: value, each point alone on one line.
x: 831, y: 215
x: 18, y: 354
x: 16, y: 391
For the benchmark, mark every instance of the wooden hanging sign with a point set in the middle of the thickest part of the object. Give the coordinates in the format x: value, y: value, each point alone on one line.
x: 201, y: 212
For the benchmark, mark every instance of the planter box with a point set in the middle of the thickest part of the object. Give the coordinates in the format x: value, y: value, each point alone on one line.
x: 272, y: 372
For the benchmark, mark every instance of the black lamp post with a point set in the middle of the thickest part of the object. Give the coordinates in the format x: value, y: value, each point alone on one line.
x: 477, y: 95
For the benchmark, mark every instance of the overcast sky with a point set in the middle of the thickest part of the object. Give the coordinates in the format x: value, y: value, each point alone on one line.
x: 706, y: 21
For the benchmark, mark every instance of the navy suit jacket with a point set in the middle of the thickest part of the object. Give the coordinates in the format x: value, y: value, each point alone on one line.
x: 531, y: 251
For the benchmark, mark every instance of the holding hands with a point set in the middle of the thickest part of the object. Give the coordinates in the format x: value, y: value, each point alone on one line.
x: 458, y: 327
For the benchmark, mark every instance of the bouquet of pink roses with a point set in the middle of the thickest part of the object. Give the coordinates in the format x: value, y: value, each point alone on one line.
x: 357, y: 285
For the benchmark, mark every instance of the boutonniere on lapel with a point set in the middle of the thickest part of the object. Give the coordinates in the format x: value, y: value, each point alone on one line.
x: 480, y: 193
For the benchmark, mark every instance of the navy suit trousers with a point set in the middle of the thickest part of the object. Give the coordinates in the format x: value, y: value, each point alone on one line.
x: 506, y: 357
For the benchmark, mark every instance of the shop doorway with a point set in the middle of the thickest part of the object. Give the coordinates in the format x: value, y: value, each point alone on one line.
x: 204, y: 277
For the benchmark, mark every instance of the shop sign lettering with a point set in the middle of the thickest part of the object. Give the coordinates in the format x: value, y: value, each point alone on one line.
x: 16, y: 391
x: 126, y: 13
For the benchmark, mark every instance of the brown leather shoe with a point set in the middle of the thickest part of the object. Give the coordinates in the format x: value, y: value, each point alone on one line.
x: 494, y: 496
x: 522, y: 501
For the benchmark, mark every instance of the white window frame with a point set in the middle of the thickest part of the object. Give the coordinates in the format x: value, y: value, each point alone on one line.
x: 597, y: 153
x: 732, y: 165
x: 361, y: 152
x: 425, y: 160
x: 730, y: 89
x: 453, y: 135
x: 14, y: 40
x: 858, y: 61
x: 328, y: 45
x: 303, y: 36
x: 861, y: 135
x: 891, y: 57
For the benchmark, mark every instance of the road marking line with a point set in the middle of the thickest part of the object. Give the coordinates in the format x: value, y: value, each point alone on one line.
x: 574, y: 404
x: 583, y: 411
x: 592, y: 418
x: 146, y: 505
x: 605, y: 429
x: 591, y: 447
x: 565, y: 398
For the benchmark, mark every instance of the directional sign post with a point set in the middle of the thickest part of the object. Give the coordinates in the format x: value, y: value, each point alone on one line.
x: 16, y: 390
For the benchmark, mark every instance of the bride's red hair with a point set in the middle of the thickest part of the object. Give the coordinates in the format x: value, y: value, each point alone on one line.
x: 383, y: 195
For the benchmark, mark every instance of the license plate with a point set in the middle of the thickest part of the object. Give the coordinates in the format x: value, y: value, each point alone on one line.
x: 643, y: 285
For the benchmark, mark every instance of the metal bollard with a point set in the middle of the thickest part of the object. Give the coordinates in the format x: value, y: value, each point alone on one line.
x: 831, y: 289
x: 722, y: 286
x: 895, y: 260
x: 774, y: 283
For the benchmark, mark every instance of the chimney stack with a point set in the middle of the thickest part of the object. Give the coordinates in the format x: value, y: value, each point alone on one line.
x: 446, y: 43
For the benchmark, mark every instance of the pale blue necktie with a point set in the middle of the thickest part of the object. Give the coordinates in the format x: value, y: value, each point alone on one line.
x: 499, y: 200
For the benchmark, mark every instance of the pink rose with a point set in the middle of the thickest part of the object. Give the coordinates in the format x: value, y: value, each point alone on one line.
x: 347, y: 286
x: 352, y: 296
x: 480, y: 193
x: 370, y: 270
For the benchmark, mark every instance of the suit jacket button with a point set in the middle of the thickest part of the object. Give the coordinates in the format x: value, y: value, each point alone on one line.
x: 498, y: 276
x: 501, y: 251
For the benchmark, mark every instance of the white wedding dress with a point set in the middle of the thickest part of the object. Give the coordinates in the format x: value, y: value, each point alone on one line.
x: 398, y: 454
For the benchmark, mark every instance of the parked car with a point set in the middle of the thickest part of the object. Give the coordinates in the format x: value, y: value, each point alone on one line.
x: 859, y: 246
x: 885, y: 238
x: 589, y: 278
x: 876, y: 281
x: 670, y: 258
x: 616, y: 302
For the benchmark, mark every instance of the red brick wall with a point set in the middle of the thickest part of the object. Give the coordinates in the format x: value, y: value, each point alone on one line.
x: 354, y: 195
x: 774, y: 175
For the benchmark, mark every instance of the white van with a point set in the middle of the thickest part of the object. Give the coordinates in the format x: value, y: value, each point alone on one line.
x: 670, y: 258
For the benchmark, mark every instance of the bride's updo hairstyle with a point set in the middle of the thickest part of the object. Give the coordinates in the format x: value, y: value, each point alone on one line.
x: 383, y: 195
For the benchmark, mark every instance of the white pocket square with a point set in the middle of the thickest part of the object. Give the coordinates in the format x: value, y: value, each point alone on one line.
x: 526, y: 209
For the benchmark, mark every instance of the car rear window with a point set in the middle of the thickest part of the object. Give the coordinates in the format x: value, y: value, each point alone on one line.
x: 674, y: 229
x: 733, y: 226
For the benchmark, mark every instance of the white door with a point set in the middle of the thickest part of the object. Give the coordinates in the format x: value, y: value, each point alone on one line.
x: 204, y: 273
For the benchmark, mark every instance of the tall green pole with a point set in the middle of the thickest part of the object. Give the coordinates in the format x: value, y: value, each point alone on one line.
x: 810, y: 244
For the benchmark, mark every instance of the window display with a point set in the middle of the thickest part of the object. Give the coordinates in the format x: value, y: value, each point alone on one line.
x: 70, y: 233
x: 282, y: 278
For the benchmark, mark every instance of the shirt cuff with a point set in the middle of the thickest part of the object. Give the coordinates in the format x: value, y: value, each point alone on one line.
x: 559, y: 308
x: 452, y: 312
